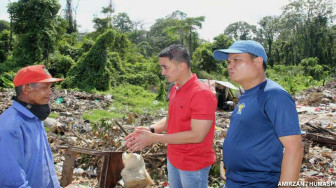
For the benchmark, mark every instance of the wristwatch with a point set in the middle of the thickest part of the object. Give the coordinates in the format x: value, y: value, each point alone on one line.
x: 151, y: 129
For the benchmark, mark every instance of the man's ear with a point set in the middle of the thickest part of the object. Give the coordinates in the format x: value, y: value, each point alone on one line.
x: 26, y: 89
x: 182, y: 66
x: 260, y: 62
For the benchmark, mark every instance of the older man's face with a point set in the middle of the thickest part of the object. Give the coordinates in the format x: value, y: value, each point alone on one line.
x: 40, y: 93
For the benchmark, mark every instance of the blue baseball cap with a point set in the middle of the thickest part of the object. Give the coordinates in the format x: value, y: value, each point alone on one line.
x: 241, y: 46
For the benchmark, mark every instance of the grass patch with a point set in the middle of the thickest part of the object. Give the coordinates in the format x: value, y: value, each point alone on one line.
x: 47, y: 129
x: 96, y: 115
x: 128, y: 99
x: 53, y: 115
x: 135, y: 99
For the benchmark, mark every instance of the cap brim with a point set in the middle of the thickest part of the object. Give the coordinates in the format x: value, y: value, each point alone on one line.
x: 223, y: 54
x: 50, y: 80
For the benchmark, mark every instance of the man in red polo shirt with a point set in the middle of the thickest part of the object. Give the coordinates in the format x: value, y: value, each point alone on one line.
x: 190, y: 123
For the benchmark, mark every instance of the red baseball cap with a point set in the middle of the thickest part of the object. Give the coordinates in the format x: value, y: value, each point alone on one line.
x: 34, y: 74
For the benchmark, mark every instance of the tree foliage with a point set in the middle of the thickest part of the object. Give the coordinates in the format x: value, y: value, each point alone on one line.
x: 241, y: 31
x: 104, y: 23
x: 59, y: 65
x: 122, y: 23
x: 185, y: 27
x: 312, y: 68
x: 4, y: 45
x: 267, y: 34
x: 4, y: 25
x: 33, y: 23
x: 206, y: 66
x: 222, y: 41
x: 95, y: 69
x: 300, y: 45
x: 158, y: 38
x: 72, y: 24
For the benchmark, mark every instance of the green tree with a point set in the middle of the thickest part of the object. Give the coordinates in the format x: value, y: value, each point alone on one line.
x: 304, y: 28
x: 203, y: 58
x: 93, y: 70
x: 122, y: 23
x: 240, y: 31
x: 157, y: 36
x: 102, y: 65
x: 59, y: 64
x: 4, y: 45
x: 60, y: 25
x: 312, y: 68
x: 268, y: 33
x: 4, y: 25
x: 186, y: 28
x: 222, y: 42
x: 72, y: 25
x: 138, y: 34
x: 33, y: 22
x: 102, y: 24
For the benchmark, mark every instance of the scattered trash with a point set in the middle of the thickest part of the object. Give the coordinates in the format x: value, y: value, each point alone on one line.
x: 316, y: 108
x: 59, y: 100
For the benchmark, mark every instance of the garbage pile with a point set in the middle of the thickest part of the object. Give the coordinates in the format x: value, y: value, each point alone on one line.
x: 317, y: 115
x: 6, y: 98
x: 105, y: 135
x: 316, y: 108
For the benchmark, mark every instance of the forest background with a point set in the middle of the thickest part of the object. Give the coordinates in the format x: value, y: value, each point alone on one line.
x: 120, y: 58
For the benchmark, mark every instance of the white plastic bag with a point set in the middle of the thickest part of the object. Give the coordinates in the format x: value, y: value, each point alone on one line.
x: 134, y: 173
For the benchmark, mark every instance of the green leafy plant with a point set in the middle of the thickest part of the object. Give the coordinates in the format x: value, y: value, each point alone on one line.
x: 7, y: 83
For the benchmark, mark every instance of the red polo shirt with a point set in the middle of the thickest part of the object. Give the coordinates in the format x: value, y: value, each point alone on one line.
x: 194, y: 100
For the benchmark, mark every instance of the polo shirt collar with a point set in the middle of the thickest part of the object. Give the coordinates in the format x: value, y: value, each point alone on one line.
x: 19, y: 107
x: 188, y: 84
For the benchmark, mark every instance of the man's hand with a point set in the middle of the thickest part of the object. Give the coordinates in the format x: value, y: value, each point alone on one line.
x: 139, y: 139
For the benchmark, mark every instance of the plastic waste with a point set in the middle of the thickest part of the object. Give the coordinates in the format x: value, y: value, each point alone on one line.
x: 59, y: 100
x: 134, y: 173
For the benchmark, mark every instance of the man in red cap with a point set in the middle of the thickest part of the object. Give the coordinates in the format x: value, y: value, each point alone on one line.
x: 26, y: 159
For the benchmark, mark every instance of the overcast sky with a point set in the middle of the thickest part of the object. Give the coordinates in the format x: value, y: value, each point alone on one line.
x: 218, y: 13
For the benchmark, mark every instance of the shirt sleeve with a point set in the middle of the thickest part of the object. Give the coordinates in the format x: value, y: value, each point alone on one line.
x: 203, y: 105
x: 281, y: 111
x: 11, y: 158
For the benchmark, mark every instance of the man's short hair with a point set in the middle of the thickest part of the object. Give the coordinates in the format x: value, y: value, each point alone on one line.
x: 18, y: 89
x: 176, y: 52
x: 264, y: 65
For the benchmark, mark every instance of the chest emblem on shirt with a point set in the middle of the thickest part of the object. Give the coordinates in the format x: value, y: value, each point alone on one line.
x: 240, y: 108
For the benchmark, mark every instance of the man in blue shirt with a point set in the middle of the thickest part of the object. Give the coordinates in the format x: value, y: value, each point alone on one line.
x: 26, y: 159
x: 263, y: 145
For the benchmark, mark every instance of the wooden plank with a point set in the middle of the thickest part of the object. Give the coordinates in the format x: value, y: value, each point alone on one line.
x: 86, y: 151
x: 321, y: 129
x: 111, y: 170
x: 68, y: 167
x: 320, y: 139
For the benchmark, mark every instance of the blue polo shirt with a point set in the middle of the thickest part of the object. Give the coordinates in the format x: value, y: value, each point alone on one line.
x: 25, y: 159
x: 252, y: 151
